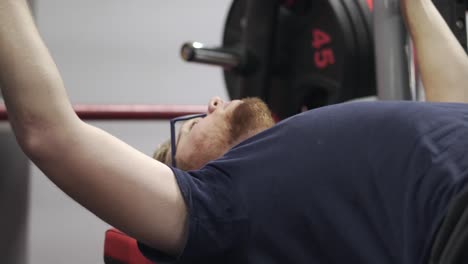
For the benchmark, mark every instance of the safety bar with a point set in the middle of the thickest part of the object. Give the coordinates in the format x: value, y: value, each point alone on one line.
x: 128, y: 112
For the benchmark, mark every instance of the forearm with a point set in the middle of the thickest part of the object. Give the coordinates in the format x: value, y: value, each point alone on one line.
x: 442, y: 62
x: 31, y: 84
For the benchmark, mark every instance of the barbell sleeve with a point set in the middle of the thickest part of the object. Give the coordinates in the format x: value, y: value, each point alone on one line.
x: 196, y: 52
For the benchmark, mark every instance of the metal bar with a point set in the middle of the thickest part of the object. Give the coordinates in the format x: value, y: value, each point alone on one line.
x: 390, y: 37
x: 197, y: 52
x: 129, y: 112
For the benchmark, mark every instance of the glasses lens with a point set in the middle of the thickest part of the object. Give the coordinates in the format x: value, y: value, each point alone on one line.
x: 176, y: 127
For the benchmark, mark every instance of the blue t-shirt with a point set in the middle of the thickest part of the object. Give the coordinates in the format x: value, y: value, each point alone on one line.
x: 350, y: 183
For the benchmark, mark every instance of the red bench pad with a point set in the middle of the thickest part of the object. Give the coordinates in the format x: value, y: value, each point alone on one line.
x: 122, y: 249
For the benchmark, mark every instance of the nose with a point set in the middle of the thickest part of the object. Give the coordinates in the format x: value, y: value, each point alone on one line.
x: 214, y: 103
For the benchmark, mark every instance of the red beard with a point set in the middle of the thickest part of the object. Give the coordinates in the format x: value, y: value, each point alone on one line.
x: 249, y: 118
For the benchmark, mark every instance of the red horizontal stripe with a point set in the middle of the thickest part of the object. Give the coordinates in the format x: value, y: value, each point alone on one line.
x: 128, y: 112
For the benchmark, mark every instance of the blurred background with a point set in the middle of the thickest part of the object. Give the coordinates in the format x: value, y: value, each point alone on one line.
x: 109, y: 52
x: 114, y: 52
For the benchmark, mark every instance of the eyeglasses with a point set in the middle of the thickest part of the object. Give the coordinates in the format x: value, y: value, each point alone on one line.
x: 173, y: 133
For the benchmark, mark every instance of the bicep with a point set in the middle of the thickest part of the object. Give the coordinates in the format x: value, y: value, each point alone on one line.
x: 119, y: 184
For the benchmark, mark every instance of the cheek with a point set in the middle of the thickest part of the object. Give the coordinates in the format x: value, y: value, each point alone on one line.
x: 184, y: 147
x: 188, y: 145
x: 191, y: 153
x: 204, y: 143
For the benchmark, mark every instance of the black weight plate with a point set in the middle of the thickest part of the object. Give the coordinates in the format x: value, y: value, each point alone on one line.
x: 325, y: 66
x: 233, y: 31
x: 335, y: 76
x: 323, y: 54
x: 360, y: 13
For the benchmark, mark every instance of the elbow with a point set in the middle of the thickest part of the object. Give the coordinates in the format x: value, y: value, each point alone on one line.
x: 33, y: 142
x: 42, y: 142
x: 40, y: 134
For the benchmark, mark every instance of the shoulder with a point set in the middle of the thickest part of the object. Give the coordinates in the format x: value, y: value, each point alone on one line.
x: 377, y: 108
x: 396, y: 113
x: 217, y: 218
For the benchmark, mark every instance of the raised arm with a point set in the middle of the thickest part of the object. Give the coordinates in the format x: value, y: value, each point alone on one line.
x: 442, y: 61
x: 124, y: 187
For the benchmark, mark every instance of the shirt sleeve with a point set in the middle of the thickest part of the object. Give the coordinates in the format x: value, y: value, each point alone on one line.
x: 217, y: 219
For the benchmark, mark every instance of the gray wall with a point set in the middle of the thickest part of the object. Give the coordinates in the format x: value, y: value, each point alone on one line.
x: 108, y: 52
x: 117, y: 52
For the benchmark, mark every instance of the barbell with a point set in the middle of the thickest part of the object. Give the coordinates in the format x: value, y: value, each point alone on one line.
x: 302, y: 54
